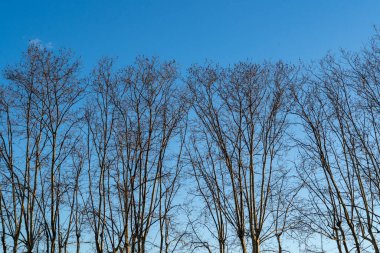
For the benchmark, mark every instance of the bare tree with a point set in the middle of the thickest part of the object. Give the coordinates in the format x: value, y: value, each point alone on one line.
x: 338, y: 111
x: 137, y: 113
x: 242, y: 120
x: 39, y: 118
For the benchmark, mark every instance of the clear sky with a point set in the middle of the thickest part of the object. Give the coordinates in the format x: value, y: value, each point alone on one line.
x: 188, y: 30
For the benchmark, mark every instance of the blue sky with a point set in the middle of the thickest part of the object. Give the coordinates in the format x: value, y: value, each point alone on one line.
x: 188, y: 30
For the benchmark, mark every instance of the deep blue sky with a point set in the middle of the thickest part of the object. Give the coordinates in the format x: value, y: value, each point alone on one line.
x: 188, y: 30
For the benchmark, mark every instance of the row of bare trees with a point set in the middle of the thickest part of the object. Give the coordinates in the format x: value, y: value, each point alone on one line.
x: 243, y: 158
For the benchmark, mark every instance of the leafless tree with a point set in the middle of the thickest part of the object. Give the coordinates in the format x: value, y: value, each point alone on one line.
x: 137, y: 114
x: 241, y: 124
x: 338, y: 111
x: 39, y: 117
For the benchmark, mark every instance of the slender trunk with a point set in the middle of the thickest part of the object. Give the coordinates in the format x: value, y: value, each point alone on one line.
x: 52, y: 192
x: 243, y: 244
x: 2, y: 223
x: 256, y: 245
x: 222, y: 246
x: 78, y: 243
x: 278, y: 237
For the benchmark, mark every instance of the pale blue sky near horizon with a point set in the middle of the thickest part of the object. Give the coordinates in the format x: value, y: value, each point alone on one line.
x: 188, y: 31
